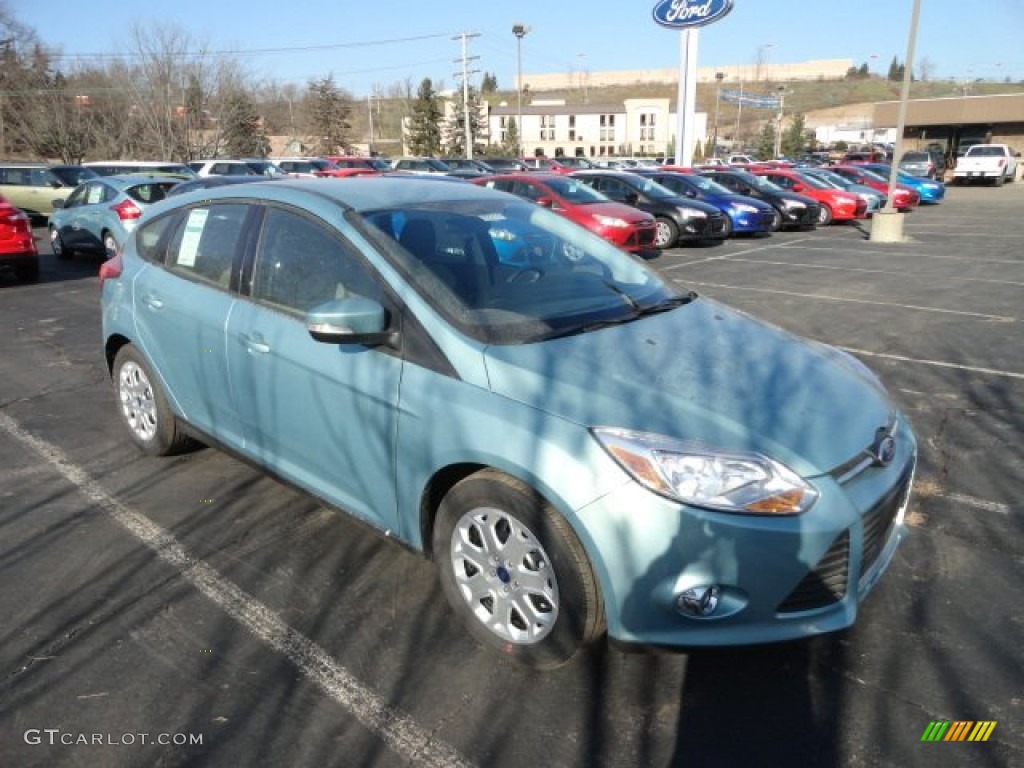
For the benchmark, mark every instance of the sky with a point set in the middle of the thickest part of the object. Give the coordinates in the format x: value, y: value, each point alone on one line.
x: 368, y: 48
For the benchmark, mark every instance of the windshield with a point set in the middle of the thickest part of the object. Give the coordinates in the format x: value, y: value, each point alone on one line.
x: 916, y: 157
x: 652, y: 189
x: 758, y: 182
x: 983, y: 151
x: 812, y: 181
x: 832, y: 179
x: 706, y: 185
x: 264, y: 168
x: 575, y: 191
x: 504, y: 271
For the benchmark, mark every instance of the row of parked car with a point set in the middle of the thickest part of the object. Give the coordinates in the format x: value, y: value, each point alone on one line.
x: 92, y: 208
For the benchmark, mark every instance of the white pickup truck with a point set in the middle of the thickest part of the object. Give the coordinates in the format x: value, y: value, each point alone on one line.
x: 987, y: 162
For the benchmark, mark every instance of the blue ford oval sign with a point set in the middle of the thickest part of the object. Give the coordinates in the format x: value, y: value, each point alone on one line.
x: 681, y: 14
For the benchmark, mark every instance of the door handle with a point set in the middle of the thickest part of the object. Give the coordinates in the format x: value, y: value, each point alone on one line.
x: 152, y: 302
x: 255, y: 344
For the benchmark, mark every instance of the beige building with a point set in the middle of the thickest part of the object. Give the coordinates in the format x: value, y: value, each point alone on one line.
x: 643, y: 126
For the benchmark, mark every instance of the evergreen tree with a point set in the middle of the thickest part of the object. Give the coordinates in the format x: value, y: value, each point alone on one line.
x: 895, y: 72
x: 794, y: 139
x: 424, y: 135
x: 766, y: 141
x: 489, y: 84
x: 243, y: 134
x: 328, y: 109
x: 863, y: 73
x: 455, y: 127
x: 510, y: 146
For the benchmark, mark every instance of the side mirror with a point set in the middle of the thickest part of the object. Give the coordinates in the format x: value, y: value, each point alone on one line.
x: 545, y: 202
x: 799, y: 188
x: 55, y: 183
x: 631, y: 198
x: 351, y: 321
x: 690, y: 193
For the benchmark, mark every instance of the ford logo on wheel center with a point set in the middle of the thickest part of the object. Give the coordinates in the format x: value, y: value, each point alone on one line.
x: 680, y: 14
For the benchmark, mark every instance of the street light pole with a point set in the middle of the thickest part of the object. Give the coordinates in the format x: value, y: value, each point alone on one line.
x: 719, y: 77
x: 778, y: 128
x: 519, y: 30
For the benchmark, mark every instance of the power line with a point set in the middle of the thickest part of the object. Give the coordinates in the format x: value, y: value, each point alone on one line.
x: 53, y: 54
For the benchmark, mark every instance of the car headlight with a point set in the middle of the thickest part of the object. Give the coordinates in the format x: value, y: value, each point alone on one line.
x: 744, y: 208
x: 694, y: 214
x: 610, y: 221
x: 738, y: 482
x: 793, y: 205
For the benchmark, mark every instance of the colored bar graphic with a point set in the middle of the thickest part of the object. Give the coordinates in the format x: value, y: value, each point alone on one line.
x: 959, y: 730
x: 982, y: 730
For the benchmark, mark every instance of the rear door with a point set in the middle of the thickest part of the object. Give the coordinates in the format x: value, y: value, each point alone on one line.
x: 183, y: 305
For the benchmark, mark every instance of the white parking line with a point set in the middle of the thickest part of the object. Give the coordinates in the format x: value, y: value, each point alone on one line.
x: 915, y: 275
x: 970, y: 501
x: 826, y: 297
x: 402, y: 735
x: 890, y: 254
x: 938, y: 363
x: 720, y: 257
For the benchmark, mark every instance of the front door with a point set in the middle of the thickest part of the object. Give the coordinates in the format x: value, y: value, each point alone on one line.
x: 322, y: 415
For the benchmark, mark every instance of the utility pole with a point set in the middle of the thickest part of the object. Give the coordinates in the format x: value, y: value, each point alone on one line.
x: 465, y: 88
x: 6, y: 45
x: 778, y: 128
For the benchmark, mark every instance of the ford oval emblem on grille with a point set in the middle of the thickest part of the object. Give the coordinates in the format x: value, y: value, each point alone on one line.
x: 884, y: 450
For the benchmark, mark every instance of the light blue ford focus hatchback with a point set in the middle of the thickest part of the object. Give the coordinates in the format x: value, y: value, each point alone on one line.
x: 581, y: 446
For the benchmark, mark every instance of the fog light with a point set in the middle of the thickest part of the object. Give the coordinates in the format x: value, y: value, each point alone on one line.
x: 698, y: 601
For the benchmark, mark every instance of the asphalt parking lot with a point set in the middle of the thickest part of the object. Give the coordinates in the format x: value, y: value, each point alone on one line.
x: 147, y: 600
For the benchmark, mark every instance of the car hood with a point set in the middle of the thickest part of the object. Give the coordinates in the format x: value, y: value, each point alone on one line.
x: 618, y: 210
x: 703, y: 372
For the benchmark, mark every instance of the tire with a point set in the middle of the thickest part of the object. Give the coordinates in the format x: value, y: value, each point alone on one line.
x: 57, y: 245
x: 824, y: 215
x: 666, y: 233
x: 143, y: 407
x: 998, y: 180
x: 514, y: 571
x: 28, y: 273
x: 727, y: 229
x: 776, y: 221
x: 109, y: 245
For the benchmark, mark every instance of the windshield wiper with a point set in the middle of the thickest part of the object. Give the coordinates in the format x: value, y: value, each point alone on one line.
x: 666, y: 304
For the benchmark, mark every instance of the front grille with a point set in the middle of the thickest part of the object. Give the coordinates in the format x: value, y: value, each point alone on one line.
x: 766, y: 219
x: 862, y: 207
x: 644, y: 235
x: 826, y: 584
x: 879, y: 520
x: 810, y: 216
x: 716, y: 223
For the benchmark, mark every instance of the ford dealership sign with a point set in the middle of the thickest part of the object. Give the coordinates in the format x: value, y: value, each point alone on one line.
x: 683, y: 14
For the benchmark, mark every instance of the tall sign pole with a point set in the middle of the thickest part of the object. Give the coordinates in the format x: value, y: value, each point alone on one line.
x: 686, y: 16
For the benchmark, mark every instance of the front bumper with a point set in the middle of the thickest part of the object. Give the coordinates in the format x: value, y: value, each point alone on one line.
x: 777, y: 578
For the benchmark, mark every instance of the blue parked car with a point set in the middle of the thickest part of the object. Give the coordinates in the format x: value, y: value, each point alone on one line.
x: 744, y: 215
x: 582, y: 447
x: 100, y: 213
x: 931, y: 191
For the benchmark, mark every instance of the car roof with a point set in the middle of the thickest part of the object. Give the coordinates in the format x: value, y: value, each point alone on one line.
x: 365, y: 193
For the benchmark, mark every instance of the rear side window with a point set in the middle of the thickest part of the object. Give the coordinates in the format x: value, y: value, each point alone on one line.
x: 206, y: 241
x: 150, y: 238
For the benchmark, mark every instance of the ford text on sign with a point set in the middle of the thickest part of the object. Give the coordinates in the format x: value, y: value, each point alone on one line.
x: 681, y: 14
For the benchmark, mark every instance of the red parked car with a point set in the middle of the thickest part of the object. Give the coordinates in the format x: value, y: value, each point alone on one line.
x: 904, y: 197
x: 836, y: 205
x: 17, y: 246
x: 549, y: 164
x: 623, y: 225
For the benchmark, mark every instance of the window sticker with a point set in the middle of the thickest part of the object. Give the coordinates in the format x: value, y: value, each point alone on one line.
x: 193, y: 233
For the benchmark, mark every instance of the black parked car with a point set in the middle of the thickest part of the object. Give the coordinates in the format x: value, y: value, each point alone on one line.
x: 678, y: 218
x: 796, y: 211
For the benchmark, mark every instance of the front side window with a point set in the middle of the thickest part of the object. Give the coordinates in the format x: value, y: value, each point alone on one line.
x: 303, y: 264
x: 207, y: 240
